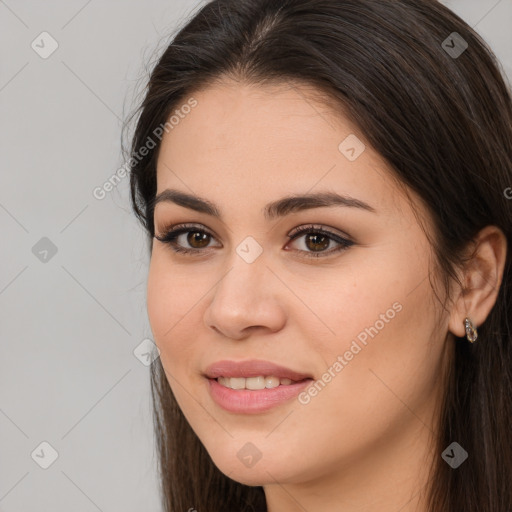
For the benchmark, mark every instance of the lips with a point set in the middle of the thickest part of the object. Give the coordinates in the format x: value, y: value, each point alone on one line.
x: 253, y: 368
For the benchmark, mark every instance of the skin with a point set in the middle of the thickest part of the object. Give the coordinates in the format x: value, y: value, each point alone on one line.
x: 363, y: 442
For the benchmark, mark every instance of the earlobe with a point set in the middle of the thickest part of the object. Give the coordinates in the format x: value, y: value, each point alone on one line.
x: 482, y: 277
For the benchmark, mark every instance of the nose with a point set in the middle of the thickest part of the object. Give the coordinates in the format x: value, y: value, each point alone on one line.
x: 248, y: 298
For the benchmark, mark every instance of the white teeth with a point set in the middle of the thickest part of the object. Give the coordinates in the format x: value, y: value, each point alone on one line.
x: 237, y: 383
x: 253, y: 383
x: 271, y: 382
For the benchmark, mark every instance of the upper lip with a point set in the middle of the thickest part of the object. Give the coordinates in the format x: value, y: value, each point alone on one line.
x: 252, y: 368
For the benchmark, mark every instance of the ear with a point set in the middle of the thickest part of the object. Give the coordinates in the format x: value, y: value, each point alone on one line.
x: 481, y: 277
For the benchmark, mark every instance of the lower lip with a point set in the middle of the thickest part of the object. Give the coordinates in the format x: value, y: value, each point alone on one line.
x: 247, y: 401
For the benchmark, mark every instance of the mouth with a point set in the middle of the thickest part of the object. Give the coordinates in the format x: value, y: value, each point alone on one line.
x: 255, y: 386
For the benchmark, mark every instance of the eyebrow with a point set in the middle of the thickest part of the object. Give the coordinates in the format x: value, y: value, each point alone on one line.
x: 271, y: 211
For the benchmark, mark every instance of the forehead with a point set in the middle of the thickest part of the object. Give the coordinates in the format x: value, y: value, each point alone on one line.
x: 238, y: 116
x: 264, y: 141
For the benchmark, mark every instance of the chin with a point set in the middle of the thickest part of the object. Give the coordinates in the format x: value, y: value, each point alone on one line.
x: 256, y: 472
x: 254, y: 477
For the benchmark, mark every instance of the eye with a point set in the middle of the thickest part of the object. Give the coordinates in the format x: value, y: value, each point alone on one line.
x: 198, y: 238
x: 316, y: 240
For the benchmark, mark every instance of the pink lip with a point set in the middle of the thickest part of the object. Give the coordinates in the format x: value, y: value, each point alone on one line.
x: 253, y: 401
x: 248, y: 401
x: 252, y: 368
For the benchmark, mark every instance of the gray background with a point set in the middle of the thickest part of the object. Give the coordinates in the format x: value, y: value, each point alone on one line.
x: 71, y: 321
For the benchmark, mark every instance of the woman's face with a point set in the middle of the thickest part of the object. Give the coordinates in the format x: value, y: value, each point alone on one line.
x: 361, y: 322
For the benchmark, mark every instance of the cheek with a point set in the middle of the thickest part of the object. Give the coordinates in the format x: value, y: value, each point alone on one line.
x: 344, y: 301
x: 379, y: 316
x: 171, y: 295
x: 159, y: 300
x: 170, y: 301
x: 176, y: 298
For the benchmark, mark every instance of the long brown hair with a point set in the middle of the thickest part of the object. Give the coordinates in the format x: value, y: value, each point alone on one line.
x: 436, y: 107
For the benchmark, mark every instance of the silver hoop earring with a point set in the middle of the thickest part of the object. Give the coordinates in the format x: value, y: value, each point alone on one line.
x: 471, y: 332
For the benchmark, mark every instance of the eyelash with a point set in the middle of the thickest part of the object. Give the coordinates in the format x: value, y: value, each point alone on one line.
x: 171, y: 234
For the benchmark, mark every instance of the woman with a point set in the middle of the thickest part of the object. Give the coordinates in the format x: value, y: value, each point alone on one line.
x: 325, y: 186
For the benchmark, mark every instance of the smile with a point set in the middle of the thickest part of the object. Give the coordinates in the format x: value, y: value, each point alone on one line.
x: 253, y: 386
x: 254, y: 383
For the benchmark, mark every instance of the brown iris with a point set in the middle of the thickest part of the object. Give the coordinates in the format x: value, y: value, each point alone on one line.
x: 196, y: 236
x: 320, y: 241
